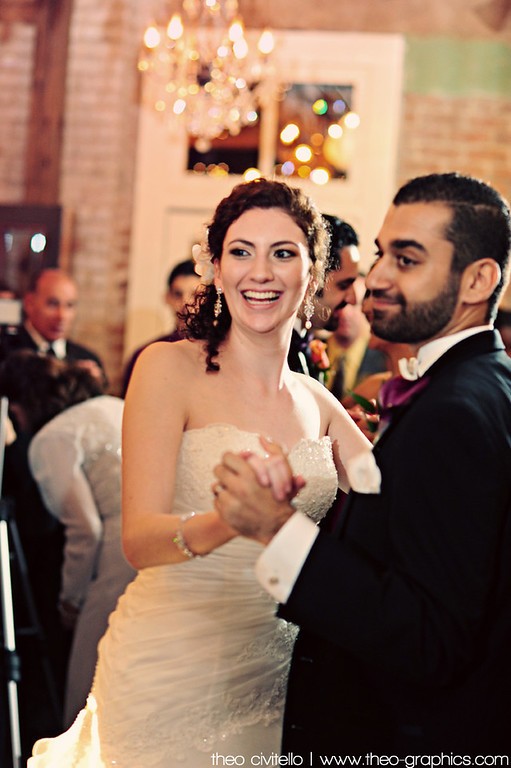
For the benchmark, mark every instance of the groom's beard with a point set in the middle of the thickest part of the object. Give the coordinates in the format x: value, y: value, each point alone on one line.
x: 416, y: 322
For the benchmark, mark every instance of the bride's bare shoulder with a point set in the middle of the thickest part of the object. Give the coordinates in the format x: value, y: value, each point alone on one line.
x: 175, y: 358
x: 329, y: 405
x: 313, y: 385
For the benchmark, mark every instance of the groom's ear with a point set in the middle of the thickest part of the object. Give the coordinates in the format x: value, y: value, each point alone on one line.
x: 479, y: 280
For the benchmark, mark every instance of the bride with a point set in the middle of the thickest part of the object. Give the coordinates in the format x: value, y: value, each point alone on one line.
x: 192, y: 670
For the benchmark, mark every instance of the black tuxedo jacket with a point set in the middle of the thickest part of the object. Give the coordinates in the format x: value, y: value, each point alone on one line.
x: 23, y: 340
x: 405, y: 608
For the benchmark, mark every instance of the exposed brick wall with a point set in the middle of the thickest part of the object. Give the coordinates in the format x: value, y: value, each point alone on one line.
x: 16, y: 52
x: 469, y: 133
x: 98, y: 167
x: 445, y: 133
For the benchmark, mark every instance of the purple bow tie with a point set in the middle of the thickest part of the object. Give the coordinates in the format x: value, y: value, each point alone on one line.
x: 397, y: 392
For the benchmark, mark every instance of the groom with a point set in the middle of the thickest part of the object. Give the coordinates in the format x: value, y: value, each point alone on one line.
x: 405, y: 609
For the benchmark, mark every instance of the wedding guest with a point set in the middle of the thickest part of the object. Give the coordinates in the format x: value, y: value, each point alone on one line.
x: 194, y: 661
x: 182, y: 283
x: 49, y: 307
x: 404, y: 609
x: 75, y: 458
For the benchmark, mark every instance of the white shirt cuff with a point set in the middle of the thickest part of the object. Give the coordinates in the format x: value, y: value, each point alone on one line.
x: 280, y: 563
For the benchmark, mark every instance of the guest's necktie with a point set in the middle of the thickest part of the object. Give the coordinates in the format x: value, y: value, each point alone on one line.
x: 50, y: 350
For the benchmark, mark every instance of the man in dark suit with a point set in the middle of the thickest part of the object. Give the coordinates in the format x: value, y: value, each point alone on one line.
x: 404, y: 608
x: 49, y: 307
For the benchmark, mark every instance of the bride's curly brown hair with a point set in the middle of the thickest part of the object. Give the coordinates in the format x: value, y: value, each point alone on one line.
x: 199, y: 317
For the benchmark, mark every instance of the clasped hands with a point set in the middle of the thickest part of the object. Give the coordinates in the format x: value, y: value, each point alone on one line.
x: 253, y: 493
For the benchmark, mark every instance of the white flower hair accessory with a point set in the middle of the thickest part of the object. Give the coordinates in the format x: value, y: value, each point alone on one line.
x: 203, y: 264
x: 363, y: 473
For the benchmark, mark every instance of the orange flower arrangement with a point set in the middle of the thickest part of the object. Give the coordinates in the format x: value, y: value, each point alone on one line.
x: 318, y: 355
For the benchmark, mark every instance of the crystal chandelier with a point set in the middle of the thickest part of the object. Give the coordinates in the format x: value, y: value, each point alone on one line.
x: 200, y: 67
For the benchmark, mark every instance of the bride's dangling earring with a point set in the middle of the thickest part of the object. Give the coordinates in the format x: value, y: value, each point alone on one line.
x: 308, y: 311
x: 217, y: 309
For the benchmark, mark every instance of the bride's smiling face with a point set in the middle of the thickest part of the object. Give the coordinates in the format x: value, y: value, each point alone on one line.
x: 265, y: 268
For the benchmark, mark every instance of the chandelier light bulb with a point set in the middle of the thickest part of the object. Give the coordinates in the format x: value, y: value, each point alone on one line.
x: 240, y: 48
x: 236, y: 31
x: 175, y: 28
x: 179, y: 106
x: 266, y: 43
x: 152, y: 37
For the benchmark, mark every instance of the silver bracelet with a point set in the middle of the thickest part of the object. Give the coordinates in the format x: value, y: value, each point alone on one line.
x: 179, y: 539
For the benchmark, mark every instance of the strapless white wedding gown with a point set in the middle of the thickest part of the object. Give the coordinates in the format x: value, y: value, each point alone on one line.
x: 194, y: 661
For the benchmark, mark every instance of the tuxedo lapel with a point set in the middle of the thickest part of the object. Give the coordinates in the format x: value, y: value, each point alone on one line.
x: 473, y: 346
